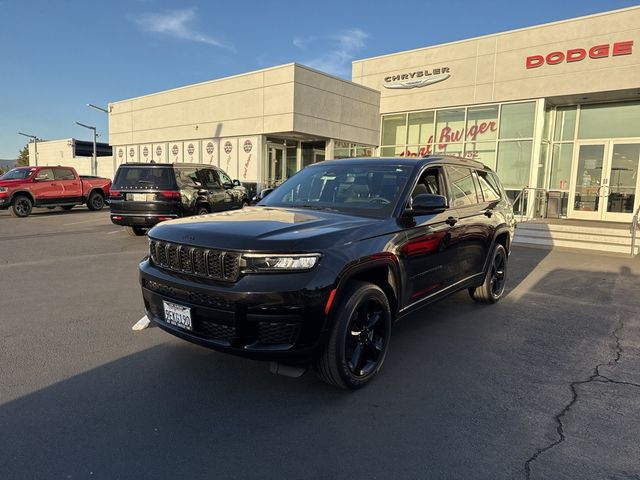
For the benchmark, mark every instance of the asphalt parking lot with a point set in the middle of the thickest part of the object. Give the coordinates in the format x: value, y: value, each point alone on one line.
x: 545, y: 384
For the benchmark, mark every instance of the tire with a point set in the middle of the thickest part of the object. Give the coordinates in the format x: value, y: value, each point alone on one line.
x: 136, y: 231
x: 67, y: 207
x: 95, y: 201
x: 339, y: 364
x: 21, y: 206
x: 202, y: 210
x: 492, y: 288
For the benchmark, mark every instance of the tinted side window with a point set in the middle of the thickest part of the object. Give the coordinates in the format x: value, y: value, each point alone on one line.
x: 210, y: 178
x: 187, y: 177
x: 463, y: 189
x: 429, y: 182
x: 45, y: 173
x: 63, y: 174
x: 224, y: 178
x: 490, y: 190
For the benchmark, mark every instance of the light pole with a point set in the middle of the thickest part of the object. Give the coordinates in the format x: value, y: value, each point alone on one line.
x: 94, y: 164
x: 35, y: 145
x: 91, y: 105
x: 97, y: 107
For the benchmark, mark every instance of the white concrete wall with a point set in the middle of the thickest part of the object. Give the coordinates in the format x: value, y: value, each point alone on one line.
x: 492, y: 68
x: 281, y: 99
x: 60, y: 152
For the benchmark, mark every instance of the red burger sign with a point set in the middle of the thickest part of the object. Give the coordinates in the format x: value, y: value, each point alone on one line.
x: 578, y: 54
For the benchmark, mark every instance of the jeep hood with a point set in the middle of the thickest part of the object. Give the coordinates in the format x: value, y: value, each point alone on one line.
x: 267, y: 229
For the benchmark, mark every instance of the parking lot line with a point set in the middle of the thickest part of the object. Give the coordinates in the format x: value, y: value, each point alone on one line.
x: 115, y: 231
x: 85, y: 221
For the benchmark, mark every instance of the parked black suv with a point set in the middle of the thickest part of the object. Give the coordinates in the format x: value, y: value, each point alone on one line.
x: 320, y: 270
x: 144, y: 194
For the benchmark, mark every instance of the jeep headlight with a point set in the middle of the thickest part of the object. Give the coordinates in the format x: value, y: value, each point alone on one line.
x: 258, y: 262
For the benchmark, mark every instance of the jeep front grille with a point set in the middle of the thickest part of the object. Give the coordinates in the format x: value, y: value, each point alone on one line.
x: 201, y: 262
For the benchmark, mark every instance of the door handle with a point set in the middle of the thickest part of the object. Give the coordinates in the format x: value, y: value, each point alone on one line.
x: 451, y: 221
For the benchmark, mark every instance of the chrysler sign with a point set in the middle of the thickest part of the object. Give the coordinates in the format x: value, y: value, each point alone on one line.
x: 417, y: 79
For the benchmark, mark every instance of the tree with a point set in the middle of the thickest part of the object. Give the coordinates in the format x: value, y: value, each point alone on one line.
x: 23, y: 157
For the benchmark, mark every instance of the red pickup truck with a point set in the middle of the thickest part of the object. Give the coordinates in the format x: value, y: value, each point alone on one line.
x: 23, y: 188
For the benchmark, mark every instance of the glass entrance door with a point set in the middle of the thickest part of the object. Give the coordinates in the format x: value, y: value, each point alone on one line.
x: 605, y: 181
x: 622, y: 182
x: 276, y: 159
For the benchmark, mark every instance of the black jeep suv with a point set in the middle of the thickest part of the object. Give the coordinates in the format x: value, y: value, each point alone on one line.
x: 144, y: 194
x: 319, y: 271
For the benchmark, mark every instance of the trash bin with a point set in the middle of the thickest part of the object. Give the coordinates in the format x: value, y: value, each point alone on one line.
x: 554, y: 207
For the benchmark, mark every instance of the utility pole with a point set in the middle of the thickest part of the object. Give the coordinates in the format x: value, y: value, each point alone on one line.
x: 94, y: 163
x: 35, y: 145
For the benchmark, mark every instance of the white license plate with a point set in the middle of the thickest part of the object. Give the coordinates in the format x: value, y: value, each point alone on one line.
x: 177, y: 315
x: 138, y: 197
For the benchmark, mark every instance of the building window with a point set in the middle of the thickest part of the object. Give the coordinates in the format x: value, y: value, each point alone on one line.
x: 394, y: 129
x: 616, y: 120
x: 450, y: 126
x: 473, y: 132
x: 516, y: 120
x: 482, y: 123
x: 565, y: 128
x: 514, y: 163
x: 420, y: 128
x: 561, y: 157
x: 351, y: 150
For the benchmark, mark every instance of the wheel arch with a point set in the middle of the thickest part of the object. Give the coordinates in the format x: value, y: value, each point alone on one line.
x: 383, y: 272
x: 26, y: 193
x: 202, y: 203
x: 501, y: 236
x: 96, y: 189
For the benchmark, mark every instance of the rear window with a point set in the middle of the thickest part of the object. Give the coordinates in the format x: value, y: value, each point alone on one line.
x: 144, y: 177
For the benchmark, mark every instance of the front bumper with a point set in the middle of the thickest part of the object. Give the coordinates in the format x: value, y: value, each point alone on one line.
x: 258, y: 317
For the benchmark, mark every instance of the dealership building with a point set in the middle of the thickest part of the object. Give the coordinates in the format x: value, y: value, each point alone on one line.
x: 554, y: 109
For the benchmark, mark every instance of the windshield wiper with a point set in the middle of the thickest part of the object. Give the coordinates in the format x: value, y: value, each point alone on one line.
x: 145, y: 181
x: 316, y: 207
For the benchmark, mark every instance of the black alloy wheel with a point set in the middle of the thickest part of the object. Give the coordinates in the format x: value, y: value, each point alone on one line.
x: 359, y: 337
x: 96, y: 201
x: 21, y: 206
x: 202, y: 210
x: 492, y: 289
x: 136, y: 231
x: 367, y: 337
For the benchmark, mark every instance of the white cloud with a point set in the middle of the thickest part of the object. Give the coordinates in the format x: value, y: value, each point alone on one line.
x: 302, y: 42
x: 176, y: 24
x: 338, y: 60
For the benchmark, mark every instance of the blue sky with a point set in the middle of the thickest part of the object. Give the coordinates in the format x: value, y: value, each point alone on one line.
x: 57, y: 56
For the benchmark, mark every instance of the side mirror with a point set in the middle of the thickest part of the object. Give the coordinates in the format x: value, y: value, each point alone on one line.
x: 427, y: 203
x: 236, y: 183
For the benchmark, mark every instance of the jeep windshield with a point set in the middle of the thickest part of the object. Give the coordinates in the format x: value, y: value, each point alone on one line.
x: 369, y: 190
